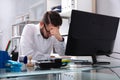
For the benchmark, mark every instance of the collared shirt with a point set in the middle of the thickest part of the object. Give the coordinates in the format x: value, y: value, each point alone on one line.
x: 32, y: 43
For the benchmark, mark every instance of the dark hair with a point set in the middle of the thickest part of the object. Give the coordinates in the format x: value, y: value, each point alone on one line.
x: 52, y: 17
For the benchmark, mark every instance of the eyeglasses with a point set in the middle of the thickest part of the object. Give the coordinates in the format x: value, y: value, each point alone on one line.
x: 46, y: 29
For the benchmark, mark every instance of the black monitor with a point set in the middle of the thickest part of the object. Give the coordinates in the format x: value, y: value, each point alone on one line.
x: 91, y: 34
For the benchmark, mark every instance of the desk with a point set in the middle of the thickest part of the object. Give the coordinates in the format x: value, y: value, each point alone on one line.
x: 71, y: 72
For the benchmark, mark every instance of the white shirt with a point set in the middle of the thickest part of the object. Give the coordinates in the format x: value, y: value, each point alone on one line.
x: 32, y: 43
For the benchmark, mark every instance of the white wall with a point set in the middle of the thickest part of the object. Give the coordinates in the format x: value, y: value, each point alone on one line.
x: 9, y: 9
x: 0, y: 39
x: 111, y: 7
x: 52, y: 3
x: 7, y: 14
x: 22, y: 6
x: 84, y: 5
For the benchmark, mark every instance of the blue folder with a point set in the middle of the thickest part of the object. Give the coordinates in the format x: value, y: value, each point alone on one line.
x: 4, y: 57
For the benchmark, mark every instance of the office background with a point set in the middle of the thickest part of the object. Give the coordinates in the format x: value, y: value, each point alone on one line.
x: 9, y: 9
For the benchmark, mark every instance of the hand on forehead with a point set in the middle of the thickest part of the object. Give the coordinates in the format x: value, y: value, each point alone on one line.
x: 52, y: 27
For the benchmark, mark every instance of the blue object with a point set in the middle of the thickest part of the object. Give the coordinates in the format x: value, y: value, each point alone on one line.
x: 14, y: 63
x: 56, y: 8
x: 4, y: 57
x: 13, y: 66
x: 25, y: 60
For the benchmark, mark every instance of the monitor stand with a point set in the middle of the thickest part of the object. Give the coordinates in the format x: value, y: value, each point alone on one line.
x: 95, y: 62
x: 83, y: 62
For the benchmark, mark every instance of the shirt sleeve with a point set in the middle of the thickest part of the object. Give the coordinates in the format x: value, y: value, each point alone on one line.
x: 26, y: 42
x: 59, y: 47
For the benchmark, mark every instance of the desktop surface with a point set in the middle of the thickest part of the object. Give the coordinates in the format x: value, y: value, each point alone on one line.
x: 69, y: 76
x: 59, y: 73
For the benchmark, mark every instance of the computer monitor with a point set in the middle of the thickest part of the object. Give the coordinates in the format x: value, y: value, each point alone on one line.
x: 91, y: 34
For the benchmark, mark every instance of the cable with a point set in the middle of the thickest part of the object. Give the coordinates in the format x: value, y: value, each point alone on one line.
x: 113, y: 57
x: 111, y: 70
x: 116, y: 52
x: 115, y: 73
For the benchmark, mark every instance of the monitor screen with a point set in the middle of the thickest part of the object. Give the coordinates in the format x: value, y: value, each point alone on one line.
x: 91, y: 34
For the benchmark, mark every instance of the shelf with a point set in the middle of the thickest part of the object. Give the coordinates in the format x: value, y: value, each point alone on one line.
x: 16, y: 37
x: 66, y: 15
x: 26, y: 22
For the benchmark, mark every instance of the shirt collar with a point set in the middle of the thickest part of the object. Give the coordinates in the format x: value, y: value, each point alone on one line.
x: 38, y: 29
